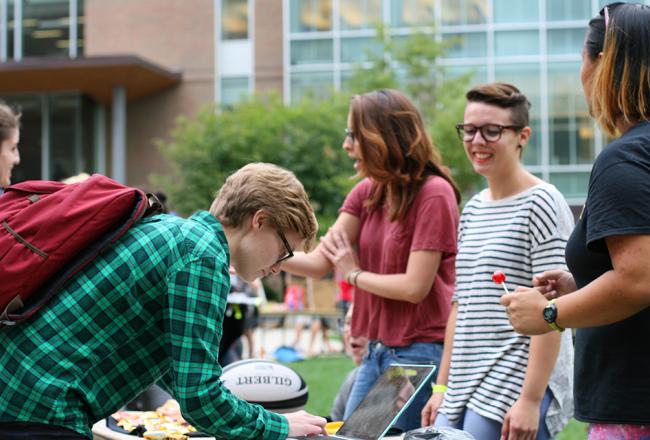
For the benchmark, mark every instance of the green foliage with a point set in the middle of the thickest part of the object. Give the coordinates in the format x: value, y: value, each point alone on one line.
x: 305, y: 138
x: 411, y: 65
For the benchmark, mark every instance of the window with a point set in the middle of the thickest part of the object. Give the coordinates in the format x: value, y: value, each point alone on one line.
x: 571, y: 129
x: 234, y: 19
x: 562, y: 10
x: 46, y: 27
x: 233, y: 90
x: 565, y: 41
x: 406, y: 13
x: 356, y: 49
x: 310, y: 15
x: 316, y: 84
x: 526, y: 77
x: 466, y: 45
x: 477, y: 74
x: 359, y: 14
x: 509, y: 43
x: 516, y: 11
x: 571, y: 185
x: 311, y: 51
x: 458, y: 12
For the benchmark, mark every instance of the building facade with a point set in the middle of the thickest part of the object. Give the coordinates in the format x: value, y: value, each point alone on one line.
x: 109, y: 77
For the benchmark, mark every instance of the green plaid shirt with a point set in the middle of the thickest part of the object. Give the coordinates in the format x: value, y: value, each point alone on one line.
x: 150, y: 309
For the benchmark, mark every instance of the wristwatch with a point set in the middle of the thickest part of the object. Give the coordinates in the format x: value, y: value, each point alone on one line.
x: 550, y: 315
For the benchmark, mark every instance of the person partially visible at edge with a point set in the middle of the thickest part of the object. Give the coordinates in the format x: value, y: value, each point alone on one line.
x: 151, y: 309
x: 9, y: 139
x: 493, y: 382
x: 394, y: 240
x: 606, y: 294
x: 356, y: 348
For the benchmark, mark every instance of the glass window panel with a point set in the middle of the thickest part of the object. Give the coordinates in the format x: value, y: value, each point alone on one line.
x: 571, y: 185
x: 311, y: 51
x: 466, y: 45
x: 30, y: 137
x: 562, y: 10
x: 9, y: 32
x: 406, y: 13
x: 356, y: 49
x: 310, y: 15
x: 234, y: 19
x: 509, y: 43
x: 65, y: 140
x: 46, y: 28
x: 233, y: 90
x: 316, y: 84
x: 456, y: 12
x: 360, y: 14
x: 81, y: 20
x: 477, y: 74
x: 572, y: 132
x: 526, y: 77
x: 565, y: 41
x: 516, y: 11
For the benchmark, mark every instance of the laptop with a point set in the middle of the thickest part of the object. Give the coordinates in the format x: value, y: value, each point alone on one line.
x: 384, y: 403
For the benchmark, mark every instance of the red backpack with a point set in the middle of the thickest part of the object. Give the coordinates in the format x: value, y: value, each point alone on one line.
x: 49, y: 231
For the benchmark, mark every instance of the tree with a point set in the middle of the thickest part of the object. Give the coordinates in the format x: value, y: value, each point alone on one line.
x: 305, y: 138
x: 411, y: 64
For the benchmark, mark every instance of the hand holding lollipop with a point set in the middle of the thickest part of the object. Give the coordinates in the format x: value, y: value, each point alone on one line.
x: 500, y: 278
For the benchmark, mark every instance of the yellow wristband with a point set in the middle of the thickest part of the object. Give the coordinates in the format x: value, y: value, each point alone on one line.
x: 439, y: 388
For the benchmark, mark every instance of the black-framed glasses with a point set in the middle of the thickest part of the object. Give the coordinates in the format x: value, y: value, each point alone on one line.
x: 350, y: 134
x: 289, y: 253
x: 490, y: 132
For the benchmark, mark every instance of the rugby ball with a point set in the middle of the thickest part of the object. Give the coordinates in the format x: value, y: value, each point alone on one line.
x: 274, y: 386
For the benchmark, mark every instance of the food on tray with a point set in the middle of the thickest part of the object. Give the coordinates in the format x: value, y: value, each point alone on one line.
x: 166, y: 422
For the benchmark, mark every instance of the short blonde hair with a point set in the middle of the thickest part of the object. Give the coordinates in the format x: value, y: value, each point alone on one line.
x: 272, y: 189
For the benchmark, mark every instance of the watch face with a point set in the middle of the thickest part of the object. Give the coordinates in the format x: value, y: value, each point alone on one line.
x: 550, y: 313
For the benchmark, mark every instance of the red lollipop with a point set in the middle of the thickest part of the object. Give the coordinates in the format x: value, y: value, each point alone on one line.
x: 500, y: 278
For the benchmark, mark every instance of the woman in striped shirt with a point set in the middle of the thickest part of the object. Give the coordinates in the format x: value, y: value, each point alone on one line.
x: 494, y: 382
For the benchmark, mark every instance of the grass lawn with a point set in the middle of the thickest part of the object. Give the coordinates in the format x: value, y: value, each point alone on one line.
x: 325, y: 374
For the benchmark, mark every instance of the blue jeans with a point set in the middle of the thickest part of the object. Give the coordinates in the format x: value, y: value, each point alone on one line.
x: 487, y: 429
x: 377, y: 360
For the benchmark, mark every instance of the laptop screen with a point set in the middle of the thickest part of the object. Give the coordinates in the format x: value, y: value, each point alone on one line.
x: 392, y: 391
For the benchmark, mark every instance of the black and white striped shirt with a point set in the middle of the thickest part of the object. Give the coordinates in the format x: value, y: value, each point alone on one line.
x: 521, y: 235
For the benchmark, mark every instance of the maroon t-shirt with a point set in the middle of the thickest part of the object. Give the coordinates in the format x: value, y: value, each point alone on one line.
x: 431, y: 223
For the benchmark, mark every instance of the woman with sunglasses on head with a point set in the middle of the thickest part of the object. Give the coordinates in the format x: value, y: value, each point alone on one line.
x: 493, y: 382
x: 606, y: 295
x: 395, y: 241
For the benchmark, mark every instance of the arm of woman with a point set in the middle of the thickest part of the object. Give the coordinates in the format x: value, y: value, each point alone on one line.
x: 430, y: 410
x: 617, y: 294
x: 412, y: 286
x: 315, y: 264
x: 522, y: 420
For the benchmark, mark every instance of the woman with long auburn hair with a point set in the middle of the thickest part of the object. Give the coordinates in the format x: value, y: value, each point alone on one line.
x: 394, y: 239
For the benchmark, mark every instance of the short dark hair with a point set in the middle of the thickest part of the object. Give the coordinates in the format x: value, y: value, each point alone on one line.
x: 505, y: 96
x: 621, y: 81
x: 9, y: 121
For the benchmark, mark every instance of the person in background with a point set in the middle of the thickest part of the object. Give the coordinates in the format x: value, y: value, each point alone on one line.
x: 493, y: 382
x: 606, y: 294
x: 150, y: 309
x: 394, y: 240
x: 356, y: 348
x: 9, y: 139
